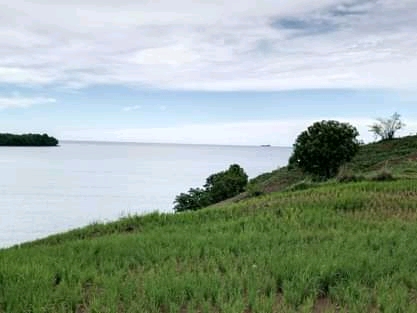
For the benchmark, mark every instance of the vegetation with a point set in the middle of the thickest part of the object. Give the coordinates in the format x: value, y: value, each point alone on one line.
x: 27, y: 140
x: 397, y: 156
x: 335, y: 248
x: 386, y: 128
x: 312, y: 247
x: 324, y: 147
x: 218, y: 187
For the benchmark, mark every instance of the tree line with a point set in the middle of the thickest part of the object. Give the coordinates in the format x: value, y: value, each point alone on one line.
x: 27, y: 140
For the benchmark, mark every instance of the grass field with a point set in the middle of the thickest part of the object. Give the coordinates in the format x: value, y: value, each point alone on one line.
x: 337, y: 247
x: 334, y: 248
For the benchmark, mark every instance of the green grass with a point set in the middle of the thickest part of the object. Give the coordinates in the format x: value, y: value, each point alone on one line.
x: 310, y: 247
x: 350, y: 247
x: 397, y: 157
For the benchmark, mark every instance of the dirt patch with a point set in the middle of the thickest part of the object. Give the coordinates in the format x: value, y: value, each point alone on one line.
x: 325, y: 305
x: 279, y: 303
x: 81, y: 309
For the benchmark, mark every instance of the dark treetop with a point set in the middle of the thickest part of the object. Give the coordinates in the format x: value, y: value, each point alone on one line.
x: 36, y: 140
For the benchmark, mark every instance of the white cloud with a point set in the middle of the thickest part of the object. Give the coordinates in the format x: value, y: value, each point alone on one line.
x: 131, y: 108
x: 210, y: 45
x: 275, y: 132
x: 23, y: 102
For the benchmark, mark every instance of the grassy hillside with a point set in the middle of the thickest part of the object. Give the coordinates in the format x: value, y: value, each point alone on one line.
x: 397, y: 156
x: 345, y: 246
x: 334, y: 248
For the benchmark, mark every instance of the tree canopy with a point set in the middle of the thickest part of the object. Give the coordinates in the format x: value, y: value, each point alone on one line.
x: 27, y: 140
x: 218, y: 187
x: 324, y: 147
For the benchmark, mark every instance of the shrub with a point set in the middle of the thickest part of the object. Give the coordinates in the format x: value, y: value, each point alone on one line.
x: 195, y: 199
x: 218, y: 187
x: 226, y: 184
x: 324, y: 147
x: 254, y: 190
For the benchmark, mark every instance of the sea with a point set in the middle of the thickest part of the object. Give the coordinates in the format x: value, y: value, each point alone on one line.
x: 48, y: 190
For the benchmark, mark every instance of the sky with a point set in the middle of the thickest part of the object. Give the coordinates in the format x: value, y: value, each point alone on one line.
x: 208, y: 72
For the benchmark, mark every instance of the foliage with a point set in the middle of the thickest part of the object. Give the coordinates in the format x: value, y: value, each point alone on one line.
x: 195, y: 199
x: 218, y: 187
x: 399, y: 155
x: 226, y: 184
x: 334, y: 248
x: 254, y: 190
x: 386, y: 128
x: 27, y: 140
x: 324, y: 147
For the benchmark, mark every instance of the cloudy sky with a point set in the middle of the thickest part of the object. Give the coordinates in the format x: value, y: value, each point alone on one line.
x: 207, y: 71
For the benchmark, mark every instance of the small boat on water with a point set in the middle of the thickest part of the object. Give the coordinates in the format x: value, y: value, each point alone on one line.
x: 265, y: 145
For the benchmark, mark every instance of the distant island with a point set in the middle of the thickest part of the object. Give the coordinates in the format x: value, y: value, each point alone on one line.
x: 28, y: 140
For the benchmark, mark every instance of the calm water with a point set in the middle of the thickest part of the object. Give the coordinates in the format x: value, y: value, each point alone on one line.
x: 49, y: 190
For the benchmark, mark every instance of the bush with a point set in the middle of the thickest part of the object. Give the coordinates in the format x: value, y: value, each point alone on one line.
x: 195, y: 199
x: 254, y: 190
x: 324, y: 147
x: 218, y: 187
x: 226, y: 184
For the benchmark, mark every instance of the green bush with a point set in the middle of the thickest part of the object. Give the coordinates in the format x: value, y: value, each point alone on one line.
x: 195, y: 199
x: 226, y: 184
x: 254, y: 190
x: 324, y: 147
x: 218, y: 187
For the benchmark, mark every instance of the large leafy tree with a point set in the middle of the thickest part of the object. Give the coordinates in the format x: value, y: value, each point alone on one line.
x: 324, y: 147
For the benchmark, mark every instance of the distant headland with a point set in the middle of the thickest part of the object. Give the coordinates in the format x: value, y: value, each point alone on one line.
x: 27, y: 140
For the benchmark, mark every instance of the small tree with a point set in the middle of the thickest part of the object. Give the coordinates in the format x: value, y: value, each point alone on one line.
x: 195, y: 199
x: 324, y: 147
x: 218, y: 187
x: 386, y: 128
x: 226, y: 184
